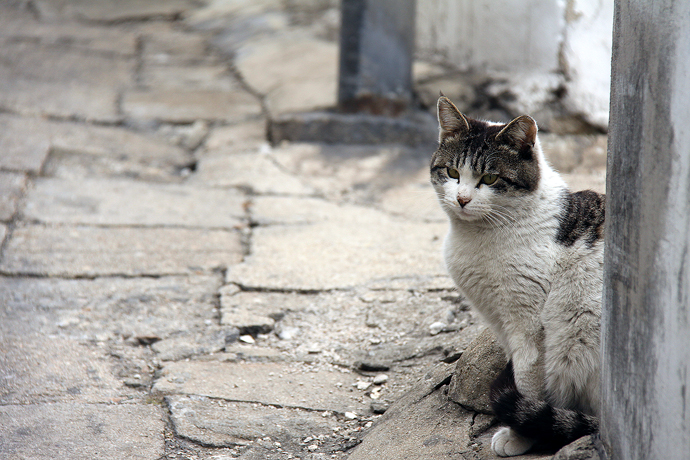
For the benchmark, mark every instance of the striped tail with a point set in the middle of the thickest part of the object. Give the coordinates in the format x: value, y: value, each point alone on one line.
x: 549, y: 426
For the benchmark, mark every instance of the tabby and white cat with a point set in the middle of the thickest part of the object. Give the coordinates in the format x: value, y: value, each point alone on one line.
x: 528, y: 254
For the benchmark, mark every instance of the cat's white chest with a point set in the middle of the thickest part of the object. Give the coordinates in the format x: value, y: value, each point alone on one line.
x: 504, y: 275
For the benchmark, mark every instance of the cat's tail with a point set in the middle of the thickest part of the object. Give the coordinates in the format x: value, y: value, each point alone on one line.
x: 549, y: 426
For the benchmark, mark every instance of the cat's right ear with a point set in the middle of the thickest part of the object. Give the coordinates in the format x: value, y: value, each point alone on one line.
x: 450, y: 121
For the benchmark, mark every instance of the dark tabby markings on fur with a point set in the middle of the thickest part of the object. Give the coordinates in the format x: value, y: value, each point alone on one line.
x: 551, y: 427
x: 582, y: 216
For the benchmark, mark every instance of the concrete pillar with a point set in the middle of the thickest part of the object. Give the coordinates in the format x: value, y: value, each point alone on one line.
x: 646, y: 319
x: 376, y: 51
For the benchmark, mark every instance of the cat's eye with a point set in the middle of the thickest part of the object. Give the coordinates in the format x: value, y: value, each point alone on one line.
x: 453, y: 173
x: 489, y: 179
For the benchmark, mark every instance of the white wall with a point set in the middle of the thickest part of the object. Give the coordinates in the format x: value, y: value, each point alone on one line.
x: 570, y: 38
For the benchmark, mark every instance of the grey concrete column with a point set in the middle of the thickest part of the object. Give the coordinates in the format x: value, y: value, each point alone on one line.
x: 376, y: 51
x: 646, y: 320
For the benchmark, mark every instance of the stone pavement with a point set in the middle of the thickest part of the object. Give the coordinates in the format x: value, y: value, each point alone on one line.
x: 171, y: 285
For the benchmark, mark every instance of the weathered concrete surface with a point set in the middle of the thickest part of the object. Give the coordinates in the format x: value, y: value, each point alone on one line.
x: 95, y: 251
x: 128, y: 202
x: 82, y: 431
x: 106, y: 308
x: 166, y: 272
x: 291, y: 385
x: 12, y: 186
x: 176, y: 106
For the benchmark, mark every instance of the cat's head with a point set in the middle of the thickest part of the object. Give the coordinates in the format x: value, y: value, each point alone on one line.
x: 482, y: 170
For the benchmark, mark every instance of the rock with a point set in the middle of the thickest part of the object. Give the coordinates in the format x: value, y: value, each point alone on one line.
x: 104, y: 431
x: 370, y: 366
x: 90, y: 251
x: 421, y: 424
x: 378, y: 407
x: 475, y: 370
x: 585, y: 448
x: 247, y: 339
x: 12, y: 186
x: 380, y: 379
x: 437, y: 327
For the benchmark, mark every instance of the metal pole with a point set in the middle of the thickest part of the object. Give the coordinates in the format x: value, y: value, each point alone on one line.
x: 376, y: 52
x: 646, y: 320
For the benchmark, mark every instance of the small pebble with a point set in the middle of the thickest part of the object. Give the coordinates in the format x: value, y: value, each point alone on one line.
x: 362, y: 385
x: 380, y: 379
x: 312, y: 448
x: 436, y: 327
x: 247, y: 339
x: 350, y: 415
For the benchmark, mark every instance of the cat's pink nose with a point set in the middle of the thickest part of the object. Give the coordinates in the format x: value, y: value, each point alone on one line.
x: 463, y: 200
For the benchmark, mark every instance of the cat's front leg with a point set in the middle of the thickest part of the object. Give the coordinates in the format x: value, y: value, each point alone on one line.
x: 528, y: 365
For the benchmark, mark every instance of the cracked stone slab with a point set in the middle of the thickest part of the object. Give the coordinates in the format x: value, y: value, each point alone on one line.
x: 246, y: 136
x: 296, y: 72
x: 93, y: 251
x: 79, y: 150
x: 112, y: 10
x: 183, y: 345
x: 39, y: 368
x: 107, y: 432
x: 12, y: 186
x: 24, y: 143
x: 177, y: 106
x: 254, y: 171
x: 60, y: 100
x: 357, y: 247
x: 109, y: 307
x: 221, y: 423
x: 129, y: 202
x: 285, y: 385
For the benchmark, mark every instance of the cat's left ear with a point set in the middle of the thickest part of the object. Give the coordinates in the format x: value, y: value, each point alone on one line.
x: 451, y: 121
x: 520, y: 134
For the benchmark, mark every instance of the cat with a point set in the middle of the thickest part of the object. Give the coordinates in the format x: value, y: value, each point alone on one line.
x: 528, y: 255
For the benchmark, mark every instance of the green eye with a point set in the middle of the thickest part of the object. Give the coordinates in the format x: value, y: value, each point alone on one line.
x: 453, y: 173
x: 488, y: 179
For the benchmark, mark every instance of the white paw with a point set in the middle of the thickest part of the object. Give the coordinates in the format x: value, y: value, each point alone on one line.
x: 507, y: 443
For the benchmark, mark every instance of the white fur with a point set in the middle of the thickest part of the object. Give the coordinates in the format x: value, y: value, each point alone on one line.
x: 507, y: 443
x: 540, y: 298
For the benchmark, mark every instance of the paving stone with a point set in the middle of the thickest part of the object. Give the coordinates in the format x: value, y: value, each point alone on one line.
x: 276, y: 210
x: 37, y: 368
x: 246, y: 136
x: 356, y: 173
x: 273, y: 305
x: 92, y: 251
x: 185, y: 345
x: 222, y: 423
x: 359, y: 247
x: 128, y: 202
x: 24, y: 143
x: 177, y: 106
x: 285, y: 385
x: 79, y: 150
x: 112, y: 10
x: 81, y: 37
x: 248, y: 322
x: 253, y: 171
x: 12, y: 186
x: 295, y: 72
x: 413, y: 201
x: 192, y: 77
x: 60, y: 100
x: 106, y: 308
x: 82, y: 431
x: 163, y: 44
x: 69, y: 67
